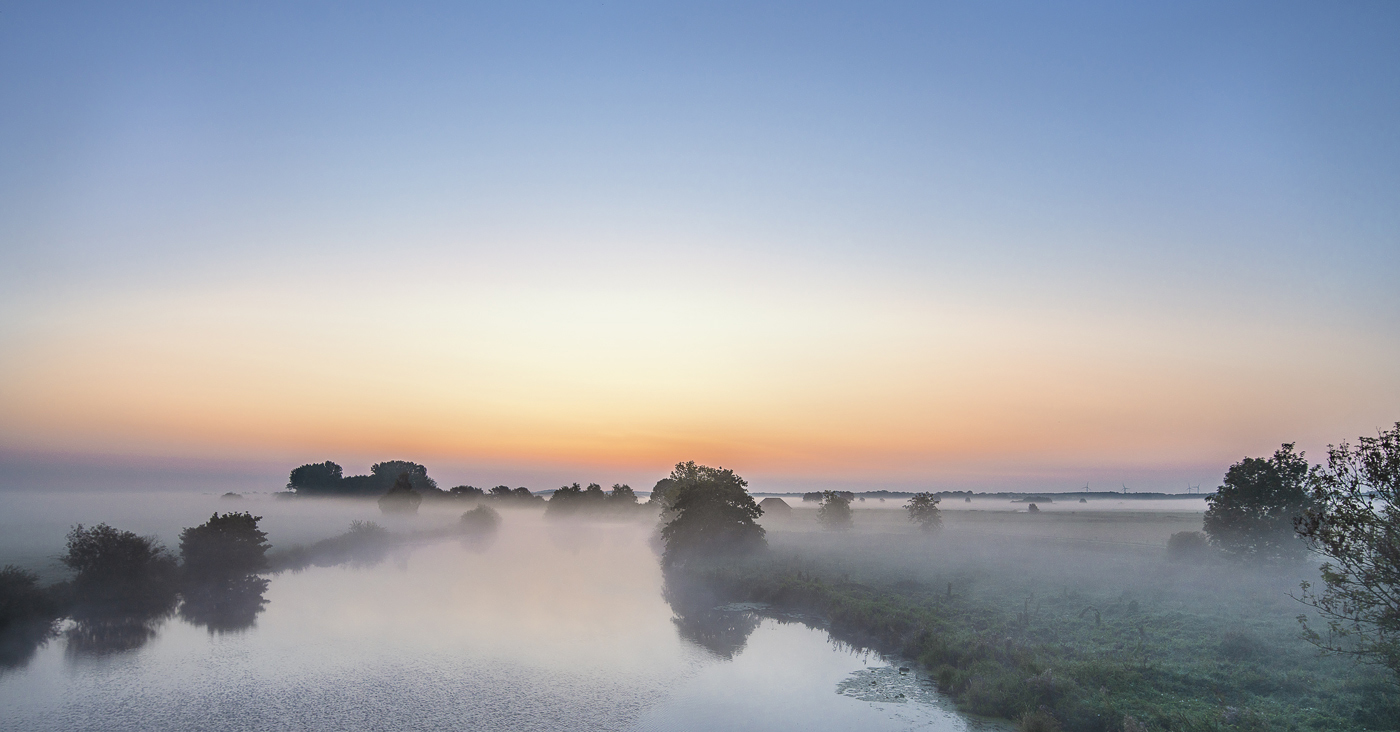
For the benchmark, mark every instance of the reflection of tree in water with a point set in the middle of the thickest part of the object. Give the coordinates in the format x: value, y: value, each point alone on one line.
x: 699, y: 620
x: 226, y: 605
x: 20, y: 641
x: 124, y: 588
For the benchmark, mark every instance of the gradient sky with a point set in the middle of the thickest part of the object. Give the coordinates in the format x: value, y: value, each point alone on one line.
x: 872, y: 245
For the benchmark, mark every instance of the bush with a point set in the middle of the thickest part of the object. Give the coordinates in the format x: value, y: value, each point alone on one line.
x: 226, y: 545
x: 22, y: 600
x: 1187, y: 545
x: 480, y: 520
x: 114, y: 566
x: 1038, y: 721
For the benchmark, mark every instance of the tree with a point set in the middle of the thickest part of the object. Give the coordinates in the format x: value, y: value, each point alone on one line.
x: 316, y: 478
x: 835, y: 511
x: 923, y: 510
x: 388, y: 472
x: 401, y: 498
x: 466, y: 491
x: 226, y: 545
x: 1251, y: 515
x: 1354, y: 523
x: 712, y: 513
x: 119, y: 570
x: 663, y: 493
x: 622, y: 494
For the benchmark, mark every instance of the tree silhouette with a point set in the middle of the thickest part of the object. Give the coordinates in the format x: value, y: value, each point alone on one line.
x: 1354, y: 522
x: 712, y: 513
x: 1251, y: 516
x: 923, y: 510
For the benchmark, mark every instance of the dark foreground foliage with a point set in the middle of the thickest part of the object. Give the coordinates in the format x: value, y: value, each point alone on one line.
x: 1354, y: 523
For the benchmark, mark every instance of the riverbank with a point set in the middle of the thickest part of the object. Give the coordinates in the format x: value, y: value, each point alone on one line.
x: 1013, y: 617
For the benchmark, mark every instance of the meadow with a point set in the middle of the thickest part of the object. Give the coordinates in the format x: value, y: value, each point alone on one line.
x: 1073, y: 618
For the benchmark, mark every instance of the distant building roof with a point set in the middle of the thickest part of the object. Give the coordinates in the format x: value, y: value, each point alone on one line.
x: 773, y: 503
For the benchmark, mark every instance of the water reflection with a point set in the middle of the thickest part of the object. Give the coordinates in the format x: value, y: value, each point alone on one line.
x: 20, y: 641
x: 540, y: 626
x: 700, y: 621
x: 227, y: 605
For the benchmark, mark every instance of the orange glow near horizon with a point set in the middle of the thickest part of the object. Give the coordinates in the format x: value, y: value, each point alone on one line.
x: 783, y: 384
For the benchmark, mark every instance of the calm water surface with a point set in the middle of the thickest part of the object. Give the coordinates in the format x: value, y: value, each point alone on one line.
x: 548, y: 627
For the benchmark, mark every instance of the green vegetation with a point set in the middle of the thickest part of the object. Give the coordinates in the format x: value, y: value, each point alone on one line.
x: 1251, y: 515
x: 574, y: 501
x: 834, y: 514
x: 1098, y: 637
x: 1354, y: 523
x: 922, y: 509
x: 710, y: 513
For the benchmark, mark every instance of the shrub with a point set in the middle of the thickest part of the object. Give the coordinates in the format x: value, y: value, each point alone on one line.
x: 226, y: 545
x: 480, y: 520
x: 1185, y: 545
x: 1038, y: 721
x: 120, y: 572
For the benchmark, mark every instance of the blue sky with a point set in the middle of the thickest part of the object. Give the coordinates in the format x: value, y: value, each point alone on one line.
x: 1215, y: 182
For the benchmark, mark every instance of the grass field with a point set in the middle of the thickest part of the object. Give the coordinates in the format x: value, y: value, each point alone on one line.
x: 1072, y: 614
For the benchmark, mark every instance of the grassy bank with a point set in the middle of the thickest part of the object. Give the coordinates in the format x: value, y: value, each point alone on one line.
x: 1016, y: 618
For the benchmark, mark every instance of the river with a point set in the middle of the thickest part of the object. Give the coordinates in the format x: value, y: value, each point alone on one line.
x: 550, y: 626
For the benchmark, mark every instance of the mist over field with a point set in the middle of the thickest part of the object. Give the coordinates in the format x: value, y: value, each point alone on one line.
x: 686, y: 367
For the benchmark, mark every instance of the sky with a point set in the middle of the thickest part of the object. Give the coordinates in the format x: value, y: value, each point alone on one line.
x: 990, y: 246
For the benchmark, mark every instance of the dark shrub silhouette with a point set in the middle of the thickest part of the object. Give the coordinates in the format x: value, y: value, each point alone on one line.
x: 227, y: 545
x: 124, y: 586
x: 119, y: 570
x: 466, y: 492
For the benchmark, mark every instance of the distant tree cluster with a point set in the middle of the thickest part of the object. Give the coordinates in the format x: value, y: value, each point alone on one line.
x: 327, y: 479
x: 573, y: 500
